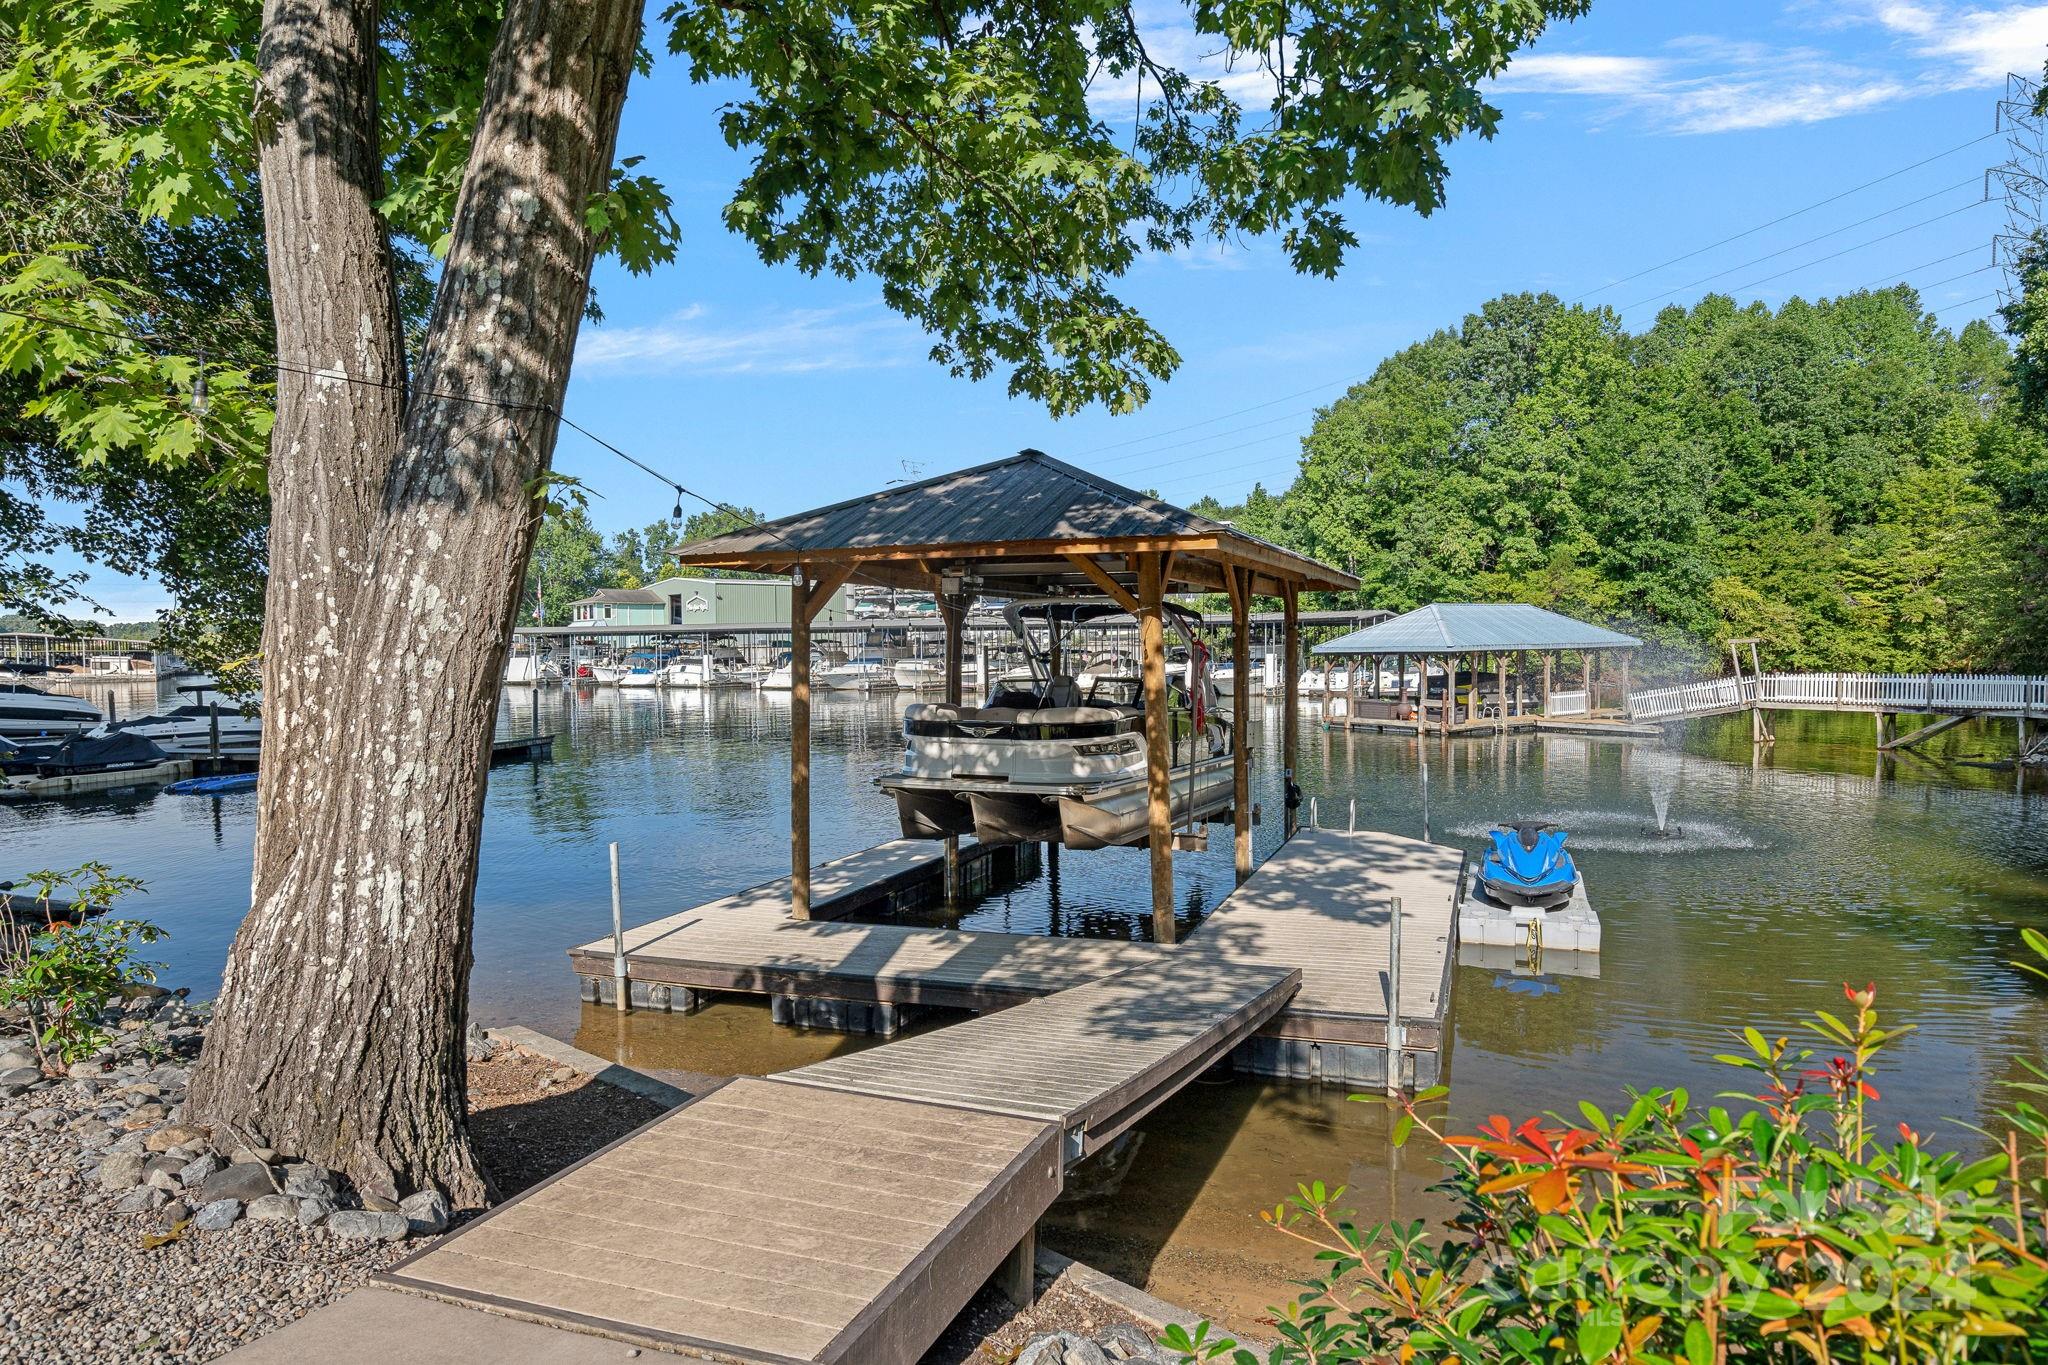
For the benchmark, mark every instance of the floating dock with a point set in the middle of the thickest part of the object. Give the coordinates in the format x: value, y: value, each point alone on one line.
x: 1320, y: 905
x: 521, y: 748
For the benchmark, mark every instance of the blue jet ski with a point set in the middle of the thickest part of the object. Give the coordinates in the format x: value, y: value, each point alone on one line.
x: 1527, y: 865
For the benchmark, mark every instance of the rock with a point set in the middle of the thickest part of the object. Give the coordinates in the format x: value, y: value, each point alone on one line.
x: 13, y: 1072
x: 165, y: 1180
x: 217, y: 1215
x: 175, y: 1135
x: 91, y: 1066
x: 121, y: 1170
x: 377, y: 1203
x: 1123, y: 1342
x: 1080, y: 1351
x: 199, y: 1169
x: 44, y: 1118
x: 169, y: 1077
x: 15, y: 1056
x: 1040, y: 1351
x: 367, y: 1225
x: 479, y: 1047
x: 141, y: 1199
x: 130, y: 1142
x: 253, y: 1156
x: 304, y: 1180
x: 177, y: 1211
x: 425, y: 1212
x: 314, y: 1212
x: 242, y: 1183
x: 146, y: 1115
x: 273, y: 1208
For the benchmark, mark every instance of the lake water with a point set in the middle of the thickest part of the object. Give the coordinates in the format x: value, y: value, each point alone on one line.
x: 1816, y: 864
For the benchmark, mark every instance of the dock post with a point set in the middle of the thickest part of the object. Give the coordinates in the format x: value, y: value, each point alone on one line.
x: 953, y: 613
x: 1017, y: 1277
x: 1394, y: 996
x: 618, y: 936
x: 800, y: 745
x: 1240, y: 584
x: 1500, y: 692
x: 1290, y: 702
x: 213, y: 733
x: 1158, y: 740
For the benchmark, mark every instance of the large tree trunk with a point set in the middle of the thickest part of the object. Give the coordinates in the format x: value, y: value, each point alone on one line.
x: 400, y: 530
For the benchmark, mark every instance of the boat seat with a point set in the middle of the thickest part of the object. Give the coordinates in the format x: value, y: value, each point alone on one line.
x: 1062, y: 692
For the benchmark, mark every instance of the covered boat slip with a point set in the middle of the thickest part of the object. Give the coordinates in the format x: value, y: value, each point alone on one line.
x: 847, y: 1211
x: 1032, y: 527
x: 1319, y: 905
x: 1455, y: 668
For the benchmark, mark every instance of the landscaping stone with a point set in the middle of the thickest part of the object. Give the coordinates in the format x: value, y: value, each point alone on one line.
x: 165, y: 1180
x: 425, y: 1212
x: 175, y: 1135
x: 367, y: 1225
x: 217, y: 1215
x: 14, y: 1071
x: 91, y: 1066
x: 274, y: 1208
x: 314, y: 1212
x: 243, y: 1183
x: 141, y: 1199
x: 306, y: 1181
x: 45, y: 1118
x: 1123, y: 1342
x: 121, y: 1170
x: 199, y: 1169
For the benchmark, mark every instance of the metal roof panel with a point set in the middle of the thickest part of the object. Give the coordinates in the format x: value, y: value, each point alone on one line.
x: 1476, y: 627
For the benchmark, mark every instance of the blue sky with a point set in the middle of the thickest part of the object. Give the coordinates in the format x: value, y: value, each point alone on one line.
x: 1646, y: 130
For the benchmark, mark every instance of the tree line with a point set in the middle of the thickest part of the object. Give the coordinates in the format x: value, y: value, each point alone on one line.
x: 1846, y: 478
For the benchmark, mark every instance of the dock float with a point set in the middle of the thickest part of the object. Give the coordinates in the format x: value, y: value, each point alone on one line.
x: 847, y: 1211
x: 1320, y: 904
x: 521, y: 748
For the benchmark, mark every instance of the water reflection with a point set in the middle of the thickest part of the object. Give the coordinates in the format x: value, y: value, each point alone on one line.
x: 1785, y: 871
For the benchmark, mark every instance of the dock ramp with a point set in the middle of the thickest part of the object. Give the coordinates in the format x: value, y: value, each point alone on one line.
x: 847, y: 1211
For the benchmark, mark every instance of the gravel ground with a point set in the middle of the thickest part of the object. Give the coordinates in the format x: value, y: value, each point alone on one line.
x: 83, y: 1281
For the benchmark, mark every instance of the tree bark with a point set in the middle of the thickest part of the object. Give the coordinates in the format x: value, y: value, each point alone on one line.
x: 402, y: 521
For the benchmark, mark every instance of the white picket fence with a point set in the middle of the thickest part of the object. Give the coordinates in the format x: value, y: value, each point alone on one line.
x: 1927, y: 693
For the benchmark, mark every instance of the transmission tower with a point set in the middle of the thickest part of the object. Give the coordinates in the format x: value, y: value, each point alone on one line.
x: 2022, y: 180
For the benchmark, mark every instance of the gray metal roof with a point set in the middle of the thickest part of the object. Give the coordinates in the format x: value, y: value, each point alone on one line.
x: 1476, y: 627
x: 641, y: 597
x: 985, y: 512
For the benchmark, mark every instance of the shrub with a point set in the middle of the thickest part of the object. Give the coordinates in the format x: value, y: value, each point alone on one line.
x: 1779, y: 1229
x: 62, y: 975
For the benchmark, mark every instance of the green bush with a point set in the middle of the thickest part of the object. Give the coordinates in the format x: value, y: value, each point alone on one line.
x: 62, y: 975
x: 1779, y: 1229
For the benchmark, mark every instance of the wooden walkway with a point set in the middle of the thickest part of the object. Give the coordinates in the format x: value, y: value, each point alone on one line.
x: 1940, y: 694
x: 847, y: 1211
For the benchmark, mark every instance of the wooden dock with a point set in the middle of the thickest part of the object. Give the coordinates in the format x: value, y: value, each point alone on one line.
x: 521, y: 748
x: 847, y: 1211
x: 1319, y: 905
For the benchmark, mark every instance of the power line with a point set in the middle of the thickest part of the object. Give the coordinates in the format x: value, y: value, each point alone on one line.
x: 1221, y: 417
x: 1212, y: 436
x: 1847, y: 250
x: 1787, y: 217
x: 1653, y: 298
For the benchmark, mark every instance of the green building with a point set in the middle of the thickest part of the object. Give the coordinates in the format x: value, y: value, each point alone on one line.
x: 699, y: 602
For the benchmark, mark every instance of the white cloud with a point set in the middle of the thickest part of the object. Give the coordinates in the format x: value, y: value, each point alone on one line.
x: 790, y: 341
x: 1707, y: 84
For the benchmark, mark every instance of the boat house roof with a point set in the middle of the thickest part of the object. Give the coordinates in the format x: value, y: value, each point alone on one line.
x: 622, y: 596
x: 1477, y: 628
x: 1018, y: 526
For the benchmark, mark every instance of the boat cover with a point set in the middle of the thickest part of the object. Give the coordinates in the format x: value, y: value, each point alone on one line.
x: 89, y: 753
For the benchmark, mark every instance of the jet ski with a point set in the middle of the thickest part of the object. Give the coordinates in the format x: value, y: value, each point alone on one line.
x: 1528, y: 865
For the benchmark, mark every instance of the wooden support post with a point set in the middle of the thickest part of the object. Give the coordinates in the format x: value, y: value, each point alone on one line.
x: 1592, y: 684
x: 1290, y: 697
x: 1401, y: 668
x: 1472, y: 697
x: 1500, y: 690
x: 1241, y: 704
x: 953, y: 613
x: 1624, y: 677
x: 1017, y: 1277
x: 800, y: 746
x: 1158, y: 741
x: 1358, y: 661
x: 1546, y: 682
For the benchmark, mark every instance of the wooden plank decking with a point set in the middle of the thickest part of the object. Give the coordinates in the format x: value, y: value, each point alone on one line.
x: 847, y: 1211
x: 764, y: 1222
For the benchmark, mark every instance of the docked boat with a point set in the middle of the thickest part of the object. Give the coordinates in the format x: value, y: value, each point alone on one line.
x: 862, y: 673
x: 921, y: 675
x: 523, y: 666
x: 85, y: 763
x: 29, y: 713
x: 1048, y: 761
x: 189, y: 731
x: 715, y: 667
x: 782, y: 676
x: 1527, y: 865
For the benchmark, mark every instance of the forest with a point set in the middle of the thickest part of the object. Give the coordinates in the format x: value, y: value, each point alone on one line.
x: 1846, y: 479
